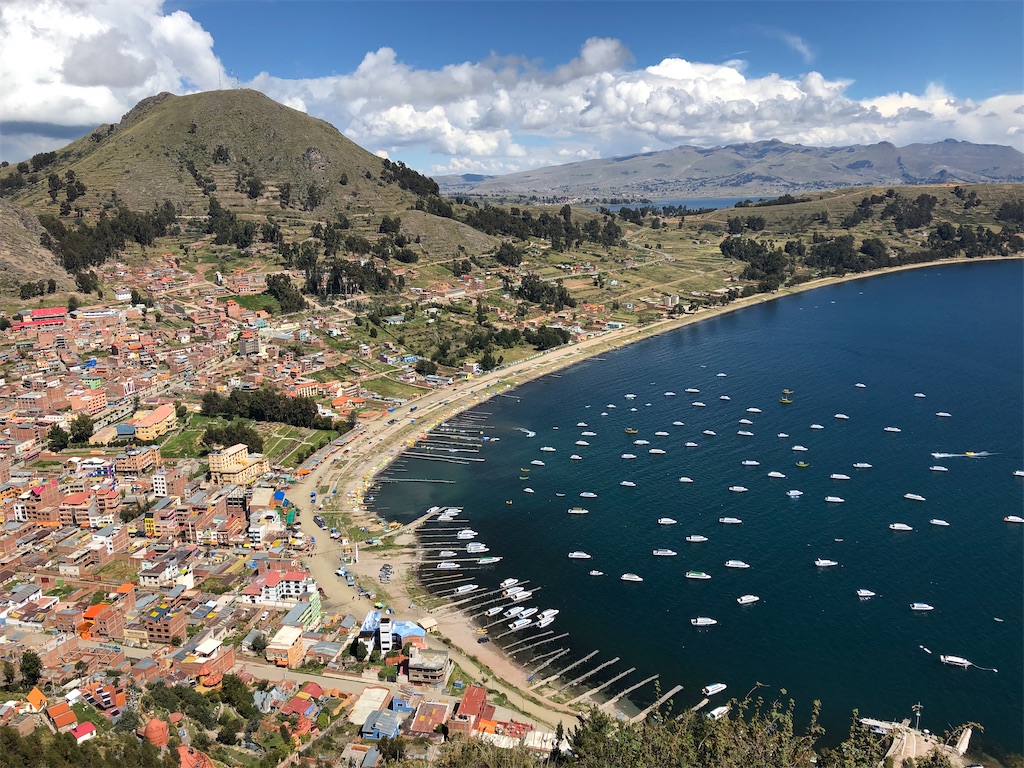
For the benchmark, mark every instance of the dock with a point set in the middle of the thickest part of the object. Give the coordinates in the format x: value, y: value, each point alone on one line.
x: 643, y: 715
x: 539, y: 642
x: 612, y: 702
x: 575, y: 664
x: 591, y: 673
x: 554, y: 656
x: 602, y: 686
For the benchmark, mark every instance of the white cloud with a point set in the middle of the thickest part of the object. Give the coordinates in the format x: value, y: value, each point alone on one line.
x: 799, y: 45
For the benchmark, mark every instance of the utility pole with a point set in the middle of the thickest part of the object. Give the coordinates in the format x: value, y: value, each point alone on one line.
x: 917, y: 711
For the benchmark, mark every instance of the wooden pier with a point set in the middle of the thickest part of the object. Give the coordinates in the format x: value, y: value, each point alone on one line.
x: 643, y: 715
x: 556, y: 655
x: 575, y: 664
x: 540, y: 642
x: 612, y: 702
x: 602, y: 686
x: 591, y: 673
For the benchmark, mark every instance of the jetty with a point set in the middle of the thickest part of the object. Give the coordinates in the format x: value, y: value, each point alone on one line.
x: 557, y: 655
x: 591, y: 673
x: 643, y: 715
x: 575, y: 664
x: 610, y: 704
x: 539, y: 642
x: 602, y: 686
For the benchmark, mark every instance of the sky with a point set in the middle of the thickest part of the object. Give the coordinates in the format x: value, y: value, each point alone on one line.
x: 495, y: 87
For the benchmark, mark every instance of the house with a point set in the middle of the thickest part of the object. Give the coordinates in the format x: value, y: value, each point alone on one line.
x: 429, y: 667
x: 35, y: 701
x: 428, y: 717
x: 83, y: 732
x: 62, y: 716
x: 380, y: 724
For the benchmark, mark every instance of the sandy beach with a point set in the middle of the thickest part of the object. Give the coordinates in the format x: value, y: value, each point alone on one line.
x: 352, y: 469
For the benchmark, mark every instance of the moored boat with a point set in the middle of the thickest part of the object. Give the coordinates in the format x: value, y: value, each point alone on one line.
x: 631, y: 431
x: 628, y: 456
x: 938, y: 521
x: 744, y: 433
x: 938, y: 468
x: 943, y: 414
x: 466, y: 588
x: 697, y: 404
x: 747, y: 599
x: 508, y: 583
x: 666, y: 521
x: 578, y: 555
x: 630, y: 577
x: 736, y: 564
x: 775, y: 474
x: 921, y: 607
x: 955, y: 661
x: 862, y: 465
x: 737, y: 489
x: 822, y: 562
x: 520, y: 624
x: 730, y: 520
x: 448, y: 566
x: 834, y: 499
x: 899, y: 527
x: 493, y: 611
x: 838, y: 476
x: 711, y: 690
x: 841, y: 416
x: 597, y: 573
x: 703, y: 621
x: 548, y: 449
x: 628, y: 484
x: 750, y: 463
x: 588, y: 495
x: 575, y: 457
x: 661, y: 552
x: 685, y: 479
x: 709, y: 432
x: 913, y: 496
x: 1013, y: 519
x: 794, y: 494
x: 578, y: 511
x: 489, y: 560
x: 696, y: 538
x: 891, y: 429
x: 698, y: 575
x: 865, y: 593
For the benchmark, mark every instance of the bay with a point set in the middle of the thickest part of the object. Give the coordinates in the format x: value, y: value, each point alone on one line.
x: 952, y: 332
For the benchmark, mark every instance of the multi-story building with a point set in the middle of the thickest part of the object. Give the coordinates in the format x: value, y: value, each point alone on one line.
x: 165, y: 622
x: 156, y: 423
x: 135, y: 461
x: 274, y: 587
x: 236, y: 465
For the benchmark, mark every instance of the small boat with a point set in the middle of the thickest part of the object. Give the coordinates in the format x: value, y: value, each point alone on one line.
x: 711, y: 690
x: 577, y: 555
x: 862, y: 465
x: 938, y: 468
x: 794, y: 494
x: 834, y: 499
x: 514, y: 590
x: 685, y: 479
x: 520, y: 624
x: 709, y: 432
x: 582, y: 442
x: 628, y: 484
x: 921, y: 607
x: 582, y: 424
x: 703, y: 621
x: 575, y: 457
x: 631, y: 431
x: 744, y: 433
x: 724, y: 397
x: 527, y: 490
x: 664, y: 553
x: 865, y: 593
x: 666, y: 521
x: 841, y: 416
x: 745, y: 421
x: 447, y: 565
x: 476, y: 548
x: 520, y: 596
x: 920, y: 394
x: 696, y: 538
x: 858, y: 385
x: 750, y: 463
x: 588, y: 495
x: 1013, y: 519
x: 527, y: 613
x: 670, y: 394
x: 1018, y: 473
x: 630, y: 396
x: 628, y: 456
x: 545, y: 621
x: 737, y: 489
x: 690, y: 444
x: 444, y: 553
x: 817, y: 426
x: 677, y: 424
x: 489, y: 560
x: 537, y: 463
x: 956, y: 661
x: 513, y: 612
x: 775, y: 474
x: 589, y: 433
x: 753, y: 410
x: 719, y: 712
x: 783, y: 435
x: 913, y: 496
x: 822, y: 562
x: 938, y: 521
x: 899, y: 527
x: 466, y: 533
x: 547, y: 449
x: 697, y: 404
x: 799, y: 448
x: 720, y: 375
x: 838, y: 476
x: 891, y: 429
x: 578, y: 511
x: 597, y: 573
x: 661, y: 434
x: 559, y: 494
x: 630, y: 577
x: 508, y: 583
x: 466, y: 588
x: 730, y: 520
x: 656, y: 451
x: 943, y: 414
x: 786, y: 400
x: 493, y: 611
x: 692, y: 391
x: 802, y: 464
x: 747, y: 599
x: 736, y: 564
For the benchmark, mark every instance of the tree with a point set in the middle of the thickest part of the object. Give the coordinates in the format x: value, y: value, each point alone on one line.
x: 80, y: 428
x: 9, y: 674
x: 72, y: 303
x: 31, y: 668
x: 259, y: 644
x: 425, y: 367
x: 57, y: 439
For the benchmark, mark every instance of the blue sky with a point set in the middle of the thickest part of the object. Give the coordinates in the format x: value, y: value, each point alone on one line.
x: 494, y: 87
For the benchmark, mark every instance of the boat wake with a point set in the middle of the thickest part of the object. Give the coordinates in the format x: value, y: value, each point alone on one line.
x: 527, y: 432
x: 966, y: 454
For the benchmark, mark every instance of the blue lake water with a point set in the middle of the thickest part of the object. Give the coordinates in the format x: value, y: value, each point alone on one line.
x: 952, y: 332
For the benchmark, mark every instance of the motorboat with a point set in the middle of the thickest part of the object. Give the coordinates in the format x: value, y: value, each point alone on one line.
x: 493, y: 611
x: 913, y: 496
x: 862, y: 465
x: 518, y: 597
x: 720, y: 375
x: 685, y: 479
x: 719, y: 712
x: 834, y: 499
x: 631, y: 430
x: 630, y: 396
x: 956, y: 661
x: 943, y: 414
x: 711, y: 690
x: 737, y: 489
x: 666, y: 521
x: 696, y: 538
x: 736, y: 564
x: 513, y: 612
x: 865, y: 593
x: 656, y: 451
x: 582, y: 424
x: 513, y: 590
x: 545, y: 621
x: 628, y: 484
x: 447, y: 565
x: 630, y: 577
x: 921, y: 607
x: 858, y: 385
x: 891, y: 429
x: 753, y: 410
x: 1018, y: 473
x: 709, y: 432
x: 476, y: 548
x: 582, y: 443
x: 703, y: 621
x: 589, y: 433
x: 628, y: 456
x: 750, y: 463
x: 1013, y: 519
x: 794, y: 494
x: 724, y: 397
x: 692, y: 391
x: 775, y: 474
x: 690, y: 444
x: 597, y: 573
x: 575, y: 457
x: 578, y: 511
x: 577, y: 555
x: 588, y: 495
x: 803, y: 464
x: 508, y: 583
x: 466, y: 533
x: 547, y: 449
x: 664, y: 552
x: 841, y: 416
x: 697, y: 404
x: 466, y: 589
x: 670, y: 394
x: 537, y: 463
x: 641, y: 442
x: 817, y: 426
x: 661, y: 434
x: 730, y: 520
x: 549, y: 612
x: 678, y: 424
x: 527, y: 613
x: 799, y: 448
x: 745, y: 421
x: 747, y: 599
x: 446, y: 553
x: 920, y: 394
x: 783, y: 435
x: 838, y: 476
x: 744, y: 433
x: 938, y: 468
x: 899, y: 527
x: 938, y: 521
x: 527, y: 490
x: 822, y: 562
x: 520, y: 624
x: 489, y: 560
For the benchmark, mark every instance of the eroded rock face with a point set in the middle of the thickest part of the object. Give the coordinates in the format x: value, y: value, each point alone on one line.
x: 315, y: 159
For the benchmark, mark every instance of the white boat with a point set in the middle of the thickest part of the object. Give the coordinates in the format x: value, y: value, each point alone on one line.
x: 939, y: 522
x: 834, y: 499
x: 690, y: 444
x: 720, y: 375
x: 817, y: 426
x: 698, y: 575
x: 575, y: 457
x: 711, y: 690
x: 678, y: 424
x: 685, y: 479
x: 520, y: 624
x: 865, y: 593
x: 730, y: 520
x: 753, y: 410
x: 838, y: 476
x: 747, y: 599
x: 588, y: 495
x: 588, y: 433
x: 582, y: 424
x: 692, y: 391
x: 466, y: 533
x: 822, y: 562
x: 920, y: 394
x: 750, y: 463
x: 445, y: 553
x: 557, y: 493
x: 513, y: 612
x: 537, y: 463
x: 955, y: 661
x: 493, y: 611
x: 696, y: 538
x: 597, y: 573
x: 939, y: 468
x: 666, y: 521
x: 858, y: 385
x: 661, y: 434
x: 841, y: 416
x: 656, y: 452
x: 508, y: 583
x: 527, y: 613
x: 1018, y: 473
x: 703, y: 621
x: 466, y: 588
x: 527, y: 490
x: 736, y: 564
x: 664, y: 552
x: 578, y: 511
x: 670, y: 394
x: 630, y: 577
x: 697, y: 404
x: 709, y: 432
x: 913, y: 496
x: 719, y: 712
x: 921, y: 607
x: 577, y: 555
x: 545, y: 621
x: 794, y: 494
x: 549, y: 612
x: 520, y: 596
x: 744, y: 433
x: 548, y: 449
x: 783, y: 435
x: 862, y: 465
x: 489, y: 560
x: 943, y: 414
x: 745, y: 421
x: 514, y: 590
x: 799, y: 448
x: 630, y: 396
x: 899, y: 527
x: 1013, y: 519
x: 891, y: 429
x: 628, y: 456
x: 724, y: 397
x: 737, y: 489
x: 628, y: 484
x: 582, y: 442
x: 776, y: 474
x: 476, y: 548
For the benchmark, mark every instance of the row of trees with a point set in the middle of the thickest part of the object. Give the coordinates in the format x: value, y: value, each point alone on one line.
x: 265, y: 404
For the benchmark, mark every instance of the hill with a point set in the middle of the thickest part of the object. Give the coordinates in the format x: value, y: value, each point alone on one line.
x: 22, y: 258
x: 759, y: 168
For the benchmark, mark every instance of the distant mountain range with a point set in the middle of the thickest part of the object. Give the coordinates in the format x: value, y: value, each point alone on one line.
x: 760, y: 168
